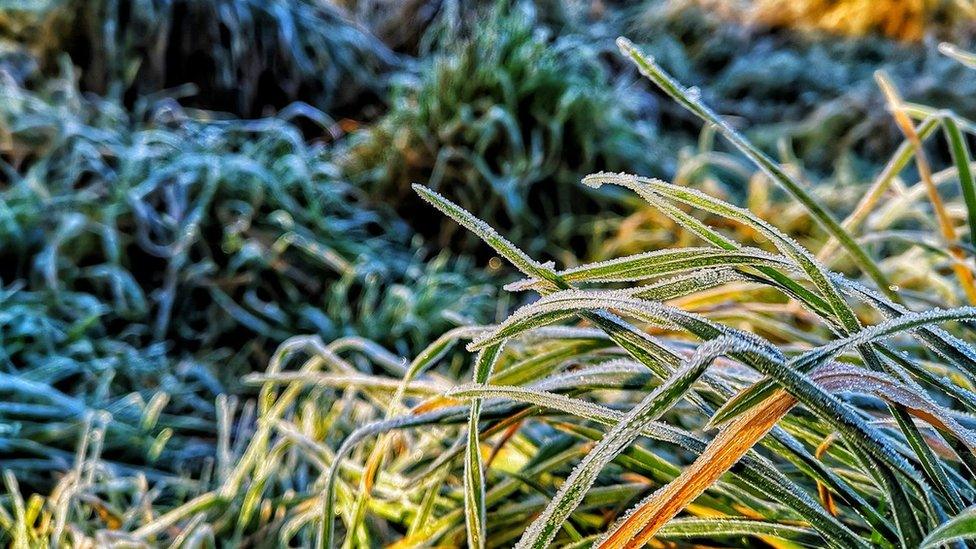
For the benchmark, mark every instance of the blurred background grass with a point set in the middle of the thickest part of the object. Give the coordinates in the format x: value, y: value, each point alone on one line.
x: 184, y: 184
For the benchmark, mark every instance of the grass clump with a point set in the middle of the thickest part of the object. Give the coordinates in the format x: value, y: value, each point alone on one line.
x: 842, y: 415
x: 157, y: 210
x: 714, y: 393
x: 241, y: 56
x: 505, y: 121
x: 155, y: 257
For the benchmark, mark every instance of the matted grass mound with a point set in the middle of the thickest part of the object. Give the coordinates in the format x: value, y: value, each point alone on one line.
x: 241, y: 56
x: 155, y: 257
x: 506, y: 119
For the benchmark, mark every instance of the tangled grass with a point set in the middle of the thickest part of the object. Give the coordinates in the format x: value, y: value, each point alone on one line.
x: 241, y: 56
x: 817, y: 95
x: 505, y: 121
x: 715, y: 393
x: 150, y: 260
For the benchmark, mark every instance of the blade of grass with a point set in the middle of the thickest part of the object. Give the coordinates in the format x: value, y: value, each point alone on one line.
x: 690, y: 101
x: 960, y: 527
x: 963, y: 161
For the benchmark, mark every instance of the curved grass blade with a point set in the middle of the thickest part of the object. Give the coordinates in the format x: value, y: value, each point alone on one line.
x: 963, y: 161
x: 474, y: 474
x: 960, y: 527
x: 687, y: 528
x: 691, y: 101
x: 489, y: 235
x: 664, y: 262
x: 755, y: 470
x: 544, y: 528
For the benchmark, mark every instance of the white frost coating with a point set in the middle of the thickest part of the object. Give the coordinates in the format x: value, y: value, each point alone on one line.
x: 542, y: 531
x: 687, y: 284
x: 655, y: 191
x: 549, y: 308
x: 668, y: 261
x: 615, y: 370
x: 597, y: 180
x: 857, y: 380
x: 906, y: 323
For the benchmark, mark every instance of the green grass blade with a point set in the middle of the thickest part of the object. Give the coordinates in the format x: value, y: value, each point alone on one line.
x: 691, y: 101
x: 689, y: 528
x: 542, y: 531
x: 963, y: 160
x: 665, y: 262
x: 809, y: 360
x: 474, y: 473
x: 960, y: 527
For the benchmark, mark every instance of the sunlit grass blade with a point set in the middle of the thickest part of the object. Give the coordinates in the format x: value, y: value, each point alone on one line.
x: 963, y: 160
x: 735, y: 439
x: 946, y: 227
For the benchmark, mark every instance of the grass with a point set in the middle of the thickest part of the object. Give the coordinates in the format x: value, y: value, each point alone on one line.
x: 844, y: 339
x: 506, y: 119
x: 794, y: 373
x: 242, y: 56
x: 714, y: 393
x: 153, y: 259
